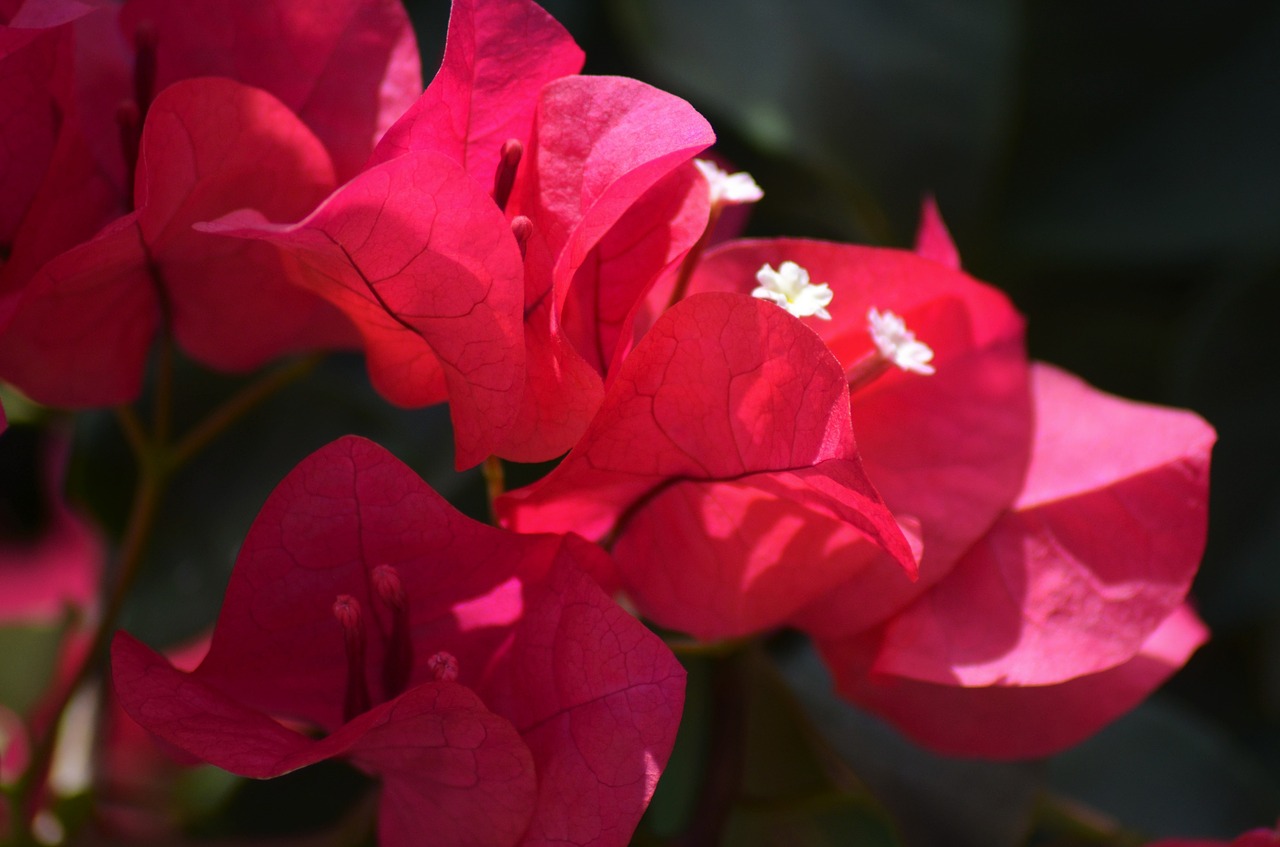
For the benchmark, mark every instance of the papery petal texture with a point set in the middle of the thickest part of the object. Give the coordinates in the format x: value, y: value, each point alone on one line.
x: 725, y: 399
x: 592, y: 157
x: 347, y: 68
x: 651, y: 239
x: 597, y: 698
x: 425, y: 266
x: 1071, y: 605
x: 210, y: 146
x: 563, y: 712
x: 947, y: 451
x: 1014, y: 722
x: 498, y: 56
x: 1099, y: 548
x: 453, y: 772
x: 28, y: 117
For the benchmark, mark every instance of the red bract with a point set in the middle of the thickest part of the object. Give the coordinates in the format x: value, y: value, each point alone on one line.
x: 592, y: 158
x: 497, y: 693
x: 348, y: 68
x: 30, y: 41
x: 1078, y: 588
x: 82, y: 327
x: 417, y: 255
x: 498, y: 56
x: 722, y: 465
x: 567, y: 157
x: 445, y: 305
x: 947, y: 451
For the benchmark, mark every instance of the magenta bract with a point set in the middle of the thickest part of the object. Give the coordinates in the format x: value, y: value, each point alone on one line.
x: 505, y: 698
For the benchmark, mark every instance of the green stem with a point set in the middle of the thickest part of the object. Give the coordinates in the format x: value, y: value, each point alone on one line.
x: 238, y: 406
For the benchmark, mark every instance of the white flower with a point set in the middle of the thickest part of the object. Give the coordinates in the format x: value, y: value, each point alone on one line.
x: 726, y: 188
x: 789, y: 287
x: 898, y: 344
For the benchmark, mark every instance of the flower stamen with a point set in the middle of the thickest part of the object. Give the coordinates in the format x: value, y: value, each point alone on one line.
x: 895, y: 346
x: 789, y: 287
x: 398, y: 662
x: 505, y: 176
x: 443, y: 666
x: 347, y: 611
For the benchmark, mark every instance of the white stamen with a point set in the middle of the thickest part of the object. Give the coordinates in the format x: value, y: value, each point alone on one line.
x: 728, y: 189
x: 790, y: 288
x: 898, y: 344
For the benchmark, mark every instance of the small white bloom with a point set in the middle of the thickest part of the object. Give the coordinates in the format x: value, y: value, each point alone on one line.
x: 897, y: 343
x: 789, y: 287
x: 727, y: 188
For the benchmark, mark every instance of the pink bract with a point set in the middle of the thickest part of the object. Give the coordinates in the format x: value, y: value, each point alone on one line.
x: 946, y: 451
x: 553, y: 728
x: 722, y: 467
x: 426, y: 268
x: 210, y: 146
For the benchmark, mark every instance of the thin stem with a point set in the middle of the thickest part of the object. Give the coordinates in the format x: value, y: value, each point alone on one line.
x: 239, y: 406
x: 164, y: 389
x: 494, y: 484
x: 133, y: 432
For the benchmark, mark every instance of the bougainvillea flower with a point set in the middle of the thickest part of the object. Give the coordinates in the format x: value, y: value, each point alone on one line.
x: 568, y: 158
x: 50, y: 558
x: 593, y: 157
x: 31, y: 36
x: 722, y: 467
x: 497, y: 693
x: 947, y: 451
x: 348, y: 68
x: 426, y: 267
x: 438, y: 323
x: 1078, y: 588
x: 136, y: 782
x: 209, y: 146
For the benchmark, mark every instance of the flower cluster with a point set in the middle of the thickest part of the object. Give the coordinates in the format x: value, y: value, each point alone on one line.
x: 986, y: 551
